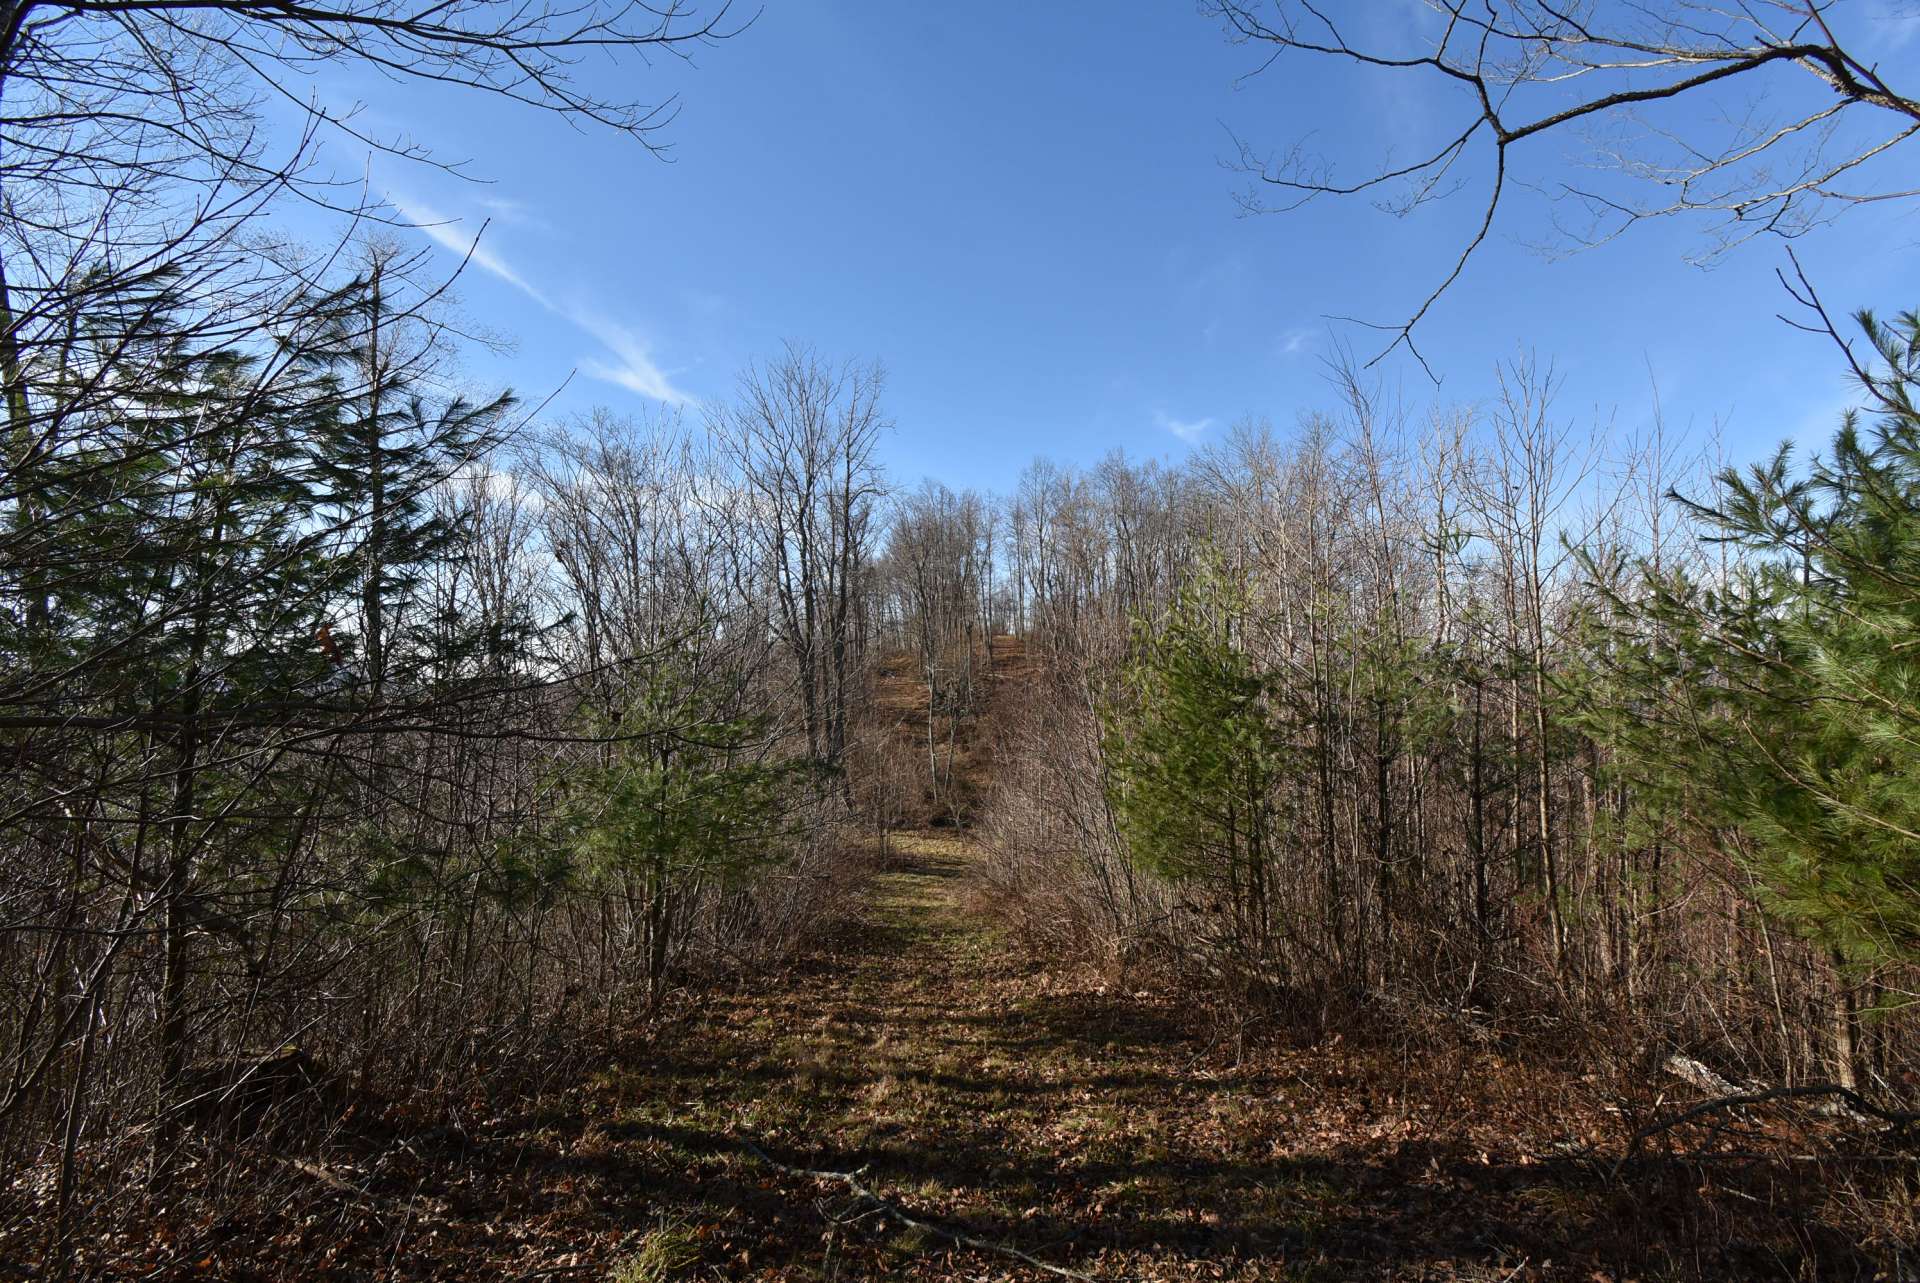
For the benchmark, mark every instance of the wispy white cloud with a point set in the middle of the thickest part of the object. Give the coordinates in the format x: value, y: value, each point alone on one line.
x: 1185, y: 429
x: 448, y: 233
x: 1294, y: 341
x: 507, y: 210
x: 628, y: 359
x: 634, y: 369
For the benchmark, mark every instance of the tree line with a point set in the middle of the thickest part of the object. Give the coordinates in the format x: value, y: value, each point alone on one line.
x: 1474, y: 722
x: 354, y: 722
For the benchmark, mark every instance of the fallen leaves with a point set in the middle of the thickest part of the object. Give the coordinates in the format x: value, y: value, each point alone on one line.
x: 1084, y: 1122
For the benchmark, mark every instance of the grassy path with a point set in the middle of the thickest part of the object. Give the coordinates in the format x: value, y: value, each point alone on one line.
x: 1096, y: 1130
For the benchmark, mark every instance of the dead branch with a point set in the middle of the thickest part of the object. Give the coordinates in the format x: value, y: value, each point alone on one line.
x: 1535, y: 68
x: 1695, y: 1074
x: 1898, y: 1119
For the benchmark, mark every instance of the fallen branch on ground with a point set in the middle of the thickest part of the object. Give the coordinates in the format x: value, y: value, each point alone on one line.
x: 1896, y: 1118
x: 893, y: 1210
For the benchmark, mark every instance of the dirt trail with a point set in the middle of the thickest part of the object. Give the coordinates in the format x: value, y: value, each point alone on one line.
x: 1097, y: 1130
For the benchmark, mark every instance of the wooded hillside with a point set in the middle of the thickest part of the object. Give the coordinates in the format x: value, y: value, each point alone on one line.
x: 371, y: 772
x: 442, y: 837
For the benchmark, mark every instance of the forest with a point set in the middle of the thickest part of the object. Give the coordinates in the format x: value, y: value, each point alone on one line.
x: 1403, y: 837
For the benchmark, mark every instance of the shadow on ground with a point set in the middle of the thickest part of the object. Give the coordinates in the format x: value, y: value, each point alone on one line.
x: 1101, y: 1131
x: 988, y: 1097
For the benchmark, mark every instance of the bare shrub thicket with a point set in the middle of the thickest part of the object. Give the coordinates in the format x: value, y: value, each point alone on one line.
x: 1452, y: 853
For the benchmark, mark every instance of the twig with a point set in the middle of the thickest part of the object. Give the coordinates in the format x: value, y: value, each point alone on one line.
x: 853, y: 1182
x: 339, y: 1184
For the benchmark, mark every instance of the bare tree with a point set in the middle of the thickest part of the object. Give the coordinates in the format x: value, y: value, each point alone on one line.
x: 798, y: 448
x: 938, y: 552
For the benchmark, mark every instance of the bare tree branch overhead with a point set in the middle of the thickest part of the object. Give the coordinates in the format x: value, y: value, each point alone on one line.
x: 530, y: 53
x: 136, y: 132
x: 105, y: 104
x: 1785, y: 124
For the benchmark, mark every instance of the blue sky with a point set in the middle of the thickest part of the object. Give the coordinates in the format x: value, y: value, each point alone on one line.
x: 1022, y: 211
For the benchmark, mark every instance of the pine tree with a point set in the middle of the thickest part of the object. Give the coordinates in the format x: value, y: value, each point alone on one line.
x: 179, y: 586
x: 207, y: 509
x: 1784, y: 702
x: 398, y: 440
x: 1193, y: 753
x: 687, y: 796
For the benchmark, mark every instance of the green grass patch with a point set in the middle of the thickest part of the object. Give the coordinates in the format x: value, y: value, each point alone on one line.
x: 668, y: 1251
